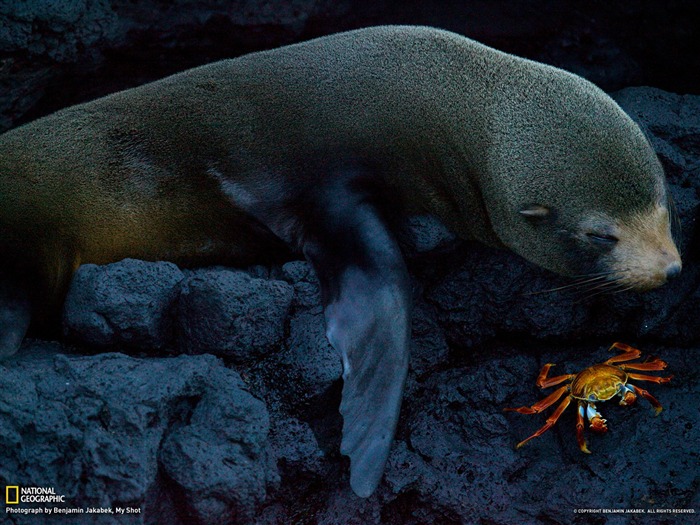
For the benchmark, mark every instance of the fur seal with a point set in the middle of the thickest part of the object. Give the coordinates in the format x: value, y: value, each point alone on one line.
x: 317, y: 147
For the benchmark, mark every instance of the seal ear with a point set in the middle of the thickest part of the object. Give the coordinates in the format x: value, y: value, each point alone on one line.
x: 366, y: 295
x: 535, y: 212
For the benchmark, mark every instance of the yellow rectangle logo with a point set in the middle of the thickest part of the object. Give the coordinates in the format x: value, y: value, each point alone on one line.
x: 9, y: 498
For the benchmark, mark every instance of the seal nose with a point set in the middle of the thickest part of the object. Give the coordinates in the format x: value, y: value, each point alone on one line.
x: 672, y: 270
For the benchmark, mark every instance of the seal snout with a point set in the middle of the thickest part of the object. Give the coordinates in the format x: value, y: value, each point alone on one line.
x: 673, y: 270
x: 646, y: 256
x: 670, y: 264
x: 659, y: 270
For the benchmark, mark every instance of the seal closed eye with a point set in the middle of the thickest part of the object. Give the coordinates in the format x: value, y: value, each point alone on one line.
x: 316, y: 147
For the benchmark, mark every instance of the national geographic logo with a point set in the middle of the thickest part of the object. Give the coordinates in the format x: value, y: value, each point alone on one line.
x: 14, y: 494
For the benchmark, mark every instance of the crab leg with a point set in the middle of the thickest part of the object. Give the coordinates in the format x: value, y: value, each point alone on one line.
x: 550, y: 421
x: 543, y: 382
x: 579, y: 429
x: 646, y: 395
x: 541, y: 405
x: 653, y: 379
x: 655, y: 364
x: 629, y: 353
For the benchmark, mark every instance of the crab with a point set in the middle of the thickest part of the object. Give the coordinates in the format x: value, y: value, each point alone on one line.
x: 596, y: 383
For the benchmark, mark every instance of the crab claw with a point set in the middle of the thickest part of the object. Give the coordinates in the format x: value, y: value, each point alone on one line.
x: 597, y: 421
x: 628, y: 398
x: 598, y: 425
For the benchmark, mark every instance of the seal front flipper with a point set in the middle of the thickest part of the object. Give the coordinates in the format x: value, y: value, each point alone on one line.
x: 15, y: 314
x: 367, y: 298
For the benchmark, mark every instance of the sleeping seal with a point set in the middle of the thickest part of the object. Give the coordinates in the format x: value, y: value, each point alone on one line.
x: 317, y: 147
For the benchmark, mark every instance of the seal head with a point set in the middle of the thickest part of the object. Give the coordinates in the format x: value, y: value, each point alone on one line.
x: 575, y: 187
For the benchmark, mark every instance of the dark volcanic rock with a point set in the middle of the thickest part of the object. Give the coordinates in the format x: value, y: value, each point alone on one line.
x: 38, y: 39
x: 307, y: 295
x: 308, y: 365
x: 428, y: 345
x: 229, y: 313
x: 60, y: 31
x: 60, y: 53
x: 493, y: 292
x: 217, y: 459
x: 127, y: 303
x: 55, y: 54
x: 424, y: 234
x: 178, y: 437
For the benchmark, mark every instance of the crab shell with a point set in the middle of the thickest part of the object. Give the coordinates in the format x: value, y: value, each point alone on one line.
x: 598, y: 383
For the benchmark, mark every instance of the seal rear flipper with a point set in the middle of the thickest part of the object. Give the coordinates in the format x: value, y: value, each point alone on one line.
x: 15, y: 314
x: 367, y: 298
x: 369, y: 325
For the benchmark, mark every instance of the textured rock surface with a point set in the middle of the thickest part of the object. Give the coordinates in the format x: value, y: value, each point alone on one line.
x: 178, y: 437
x: 229, y: 313
x: 425, y: 234
x: 129, y: 303
x: 55, y: 54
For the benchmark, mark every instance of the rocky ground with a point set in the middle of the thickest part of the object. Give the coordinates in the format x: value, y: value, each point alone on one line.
x: 211, y: 396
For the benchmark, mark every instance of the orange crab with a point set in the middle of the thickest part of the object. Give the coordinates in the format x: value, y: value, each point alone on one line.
x: 599, y: 382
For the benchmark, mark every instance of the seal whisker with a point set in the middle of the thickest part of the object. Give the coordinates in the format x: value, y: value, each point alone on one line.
x: 599, y: 286
x: 593, y: 274
x: 606, y: 286
x: 610, y: 287
x: 629, y: 287
x: 572, y: 285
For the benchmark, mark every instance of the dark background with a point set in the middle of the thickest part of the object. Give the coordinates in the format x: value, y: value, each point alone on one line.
x: 54, y: 57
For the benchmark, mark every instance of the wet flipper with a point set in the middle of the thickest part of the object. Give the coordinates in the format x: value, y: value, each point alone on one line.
x: 15, y: 314
x: 367, y: 298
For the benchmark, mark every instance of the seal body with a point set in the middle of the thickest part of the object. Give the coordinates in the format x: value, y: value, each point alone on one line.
x: 314, y: 148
